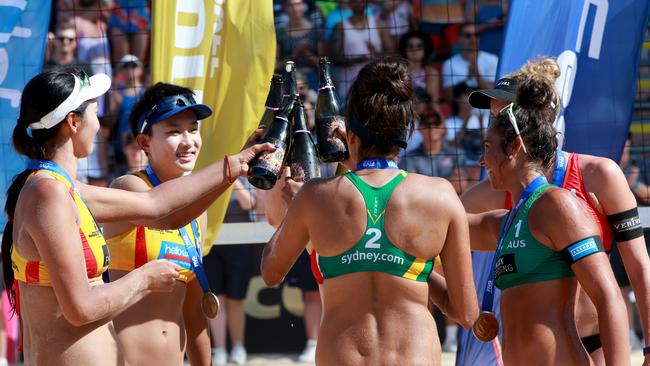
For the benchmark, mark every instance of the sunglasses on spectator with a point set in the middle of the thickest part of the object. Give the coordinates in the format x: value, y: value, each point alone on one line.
x: 62, y: 39
x: 414, y: 46
x: 469, y: 35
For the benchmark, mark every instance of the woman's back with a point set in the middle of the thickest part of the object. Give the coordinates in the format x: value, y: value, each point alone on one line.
x: 376, y: 231
x: 371, y: 317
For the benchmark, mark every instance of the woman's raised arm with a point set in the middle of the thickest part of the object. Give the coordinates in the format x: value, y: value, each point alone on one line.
x: 174, y: 203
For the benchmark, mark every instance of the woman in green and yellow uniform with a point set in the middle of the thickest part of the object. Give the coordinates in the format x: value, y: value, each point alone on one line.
x: 159, y: 328
x: 545, y: 245
x: 376, y: 231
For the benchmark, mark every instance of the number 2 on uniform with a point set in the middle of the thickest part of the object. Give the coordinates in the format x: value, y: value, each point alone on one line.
x: 372, y: 243
x: 517, y: 228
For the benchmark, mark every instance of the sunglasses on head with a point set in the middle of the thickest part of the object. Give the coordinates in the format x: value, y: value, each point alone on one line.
x: 62, y: 39
x: 165, y: 105
x: 81, y: 74
x: 469, y: 35
x: 513, y: 121
x: 414, y: 46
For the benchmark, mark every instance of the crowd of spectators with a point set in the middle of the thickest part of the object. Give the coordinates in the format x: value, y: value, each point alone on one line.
x: 451, y: 48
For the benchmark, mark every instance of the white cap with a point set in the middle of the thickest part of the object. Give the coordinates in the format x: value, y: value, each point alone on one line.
x: 87, y: 89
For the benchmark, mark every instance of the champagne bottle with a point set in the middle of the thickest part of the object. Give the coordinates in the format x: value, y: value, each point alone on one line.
x: 289, y: 85
x: 273, y: 102
x: 265, y: 168
x: 330, y: 147
x: 303, y: 158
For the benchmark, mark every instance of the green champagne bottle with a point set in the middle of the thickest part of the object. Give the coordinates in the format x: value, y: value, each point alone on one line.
x: 303, y: 160
x: 328, y: 117
x: 265, y: 168
x: 273, y: 102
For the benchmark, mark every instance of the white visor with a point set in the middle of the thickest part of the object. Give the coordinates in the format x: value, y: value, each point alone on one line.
x: 84, y: 90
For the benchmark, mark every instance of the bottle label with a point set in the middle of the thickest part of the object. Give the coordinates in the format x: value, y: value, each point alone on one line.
x: 272, y: 160
x: 300, y: 174
x: 327, y: 132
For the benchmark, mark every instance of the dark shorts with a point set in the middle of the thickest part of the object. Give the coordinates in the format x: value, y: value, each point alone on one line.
x: 229, y: 269
x: 300, y: 274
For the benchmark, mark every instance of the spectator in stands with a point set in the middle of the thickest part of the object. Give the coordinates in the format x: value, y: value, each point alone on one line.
x: 439, y: 19
x: 434, y: 157
x: 228, y: 269
x: 135, y: 157
x: 489, y: 17
x: 465, y: 129
x: 398, y: 17
x: 356, y: 41
x: 128, y: 26
x: 127, y: 89
x: 308, y: 97
x: 92, y: 42
x: 93, y: 53
x: 633, y: 174
x: 281, y: 17
x: 64, y: 52
x: 300, y: 41
x: 474, y: 67
x: 435, y: 15
x: 416, y: 47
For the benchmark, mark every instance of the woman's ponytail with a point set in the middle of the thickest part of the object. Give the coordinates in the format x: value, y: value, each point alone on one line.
x: 7, y: 236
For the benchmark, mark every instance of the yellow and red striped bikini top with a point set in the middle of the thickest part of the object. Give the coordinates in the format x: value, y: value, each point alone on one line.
x: 94, y: 246
x: 139, y: 245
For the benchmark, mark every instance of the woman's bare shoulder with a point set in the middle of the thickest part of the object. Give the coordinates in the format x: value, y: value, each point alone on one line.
x: 130, y: 182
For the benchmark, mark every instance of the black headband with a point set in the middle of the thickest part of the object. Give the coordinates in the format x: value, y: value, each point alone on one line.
x: 372, y: 138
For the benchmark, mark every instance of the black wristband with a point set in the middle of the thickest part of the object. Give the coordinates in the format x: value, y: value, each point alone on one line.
x: 626, y: 225
x: 646, y: 350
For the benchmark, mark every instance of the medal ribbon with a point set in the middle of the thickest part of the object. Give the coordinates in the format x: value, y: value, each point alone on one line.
x: 488, y: 295
x: 192, y: 251
x: 560, y: 169
x: 56, y: 168
x: 377, y: 163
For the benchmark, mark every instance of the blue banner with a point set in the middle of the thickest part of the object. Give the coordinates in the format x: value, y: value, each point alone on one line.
x: 23, y: 31
x: 597, y: 44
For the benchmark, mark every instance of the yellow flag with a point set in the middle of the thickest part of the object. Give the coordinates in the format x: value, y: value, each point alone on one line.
x: 225, y: 51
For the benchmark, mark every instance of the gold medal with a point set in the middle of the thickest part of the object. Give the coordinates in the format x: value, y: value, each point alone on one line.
x: 486, y: 327
x: 210, y: 305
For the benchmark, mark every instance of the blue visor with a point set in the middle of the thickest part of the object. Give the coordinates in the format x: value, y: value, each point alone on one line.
x: 169, y: 107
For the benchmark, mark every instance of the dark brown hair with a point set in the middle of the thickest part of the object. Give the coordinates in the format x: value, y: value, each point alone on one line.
x: 41, y: 95
x: 379, y: 107
x: 534, y: 120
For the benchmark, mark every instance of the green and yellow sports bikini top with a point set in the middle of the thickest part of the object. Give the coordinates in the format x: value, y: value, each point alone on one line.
x: 522, y: 259
x: 374, y: 252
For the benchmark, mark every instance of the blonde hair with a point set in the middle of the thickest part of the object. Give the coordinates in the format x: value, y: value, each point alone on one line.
x: 544, y: 69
